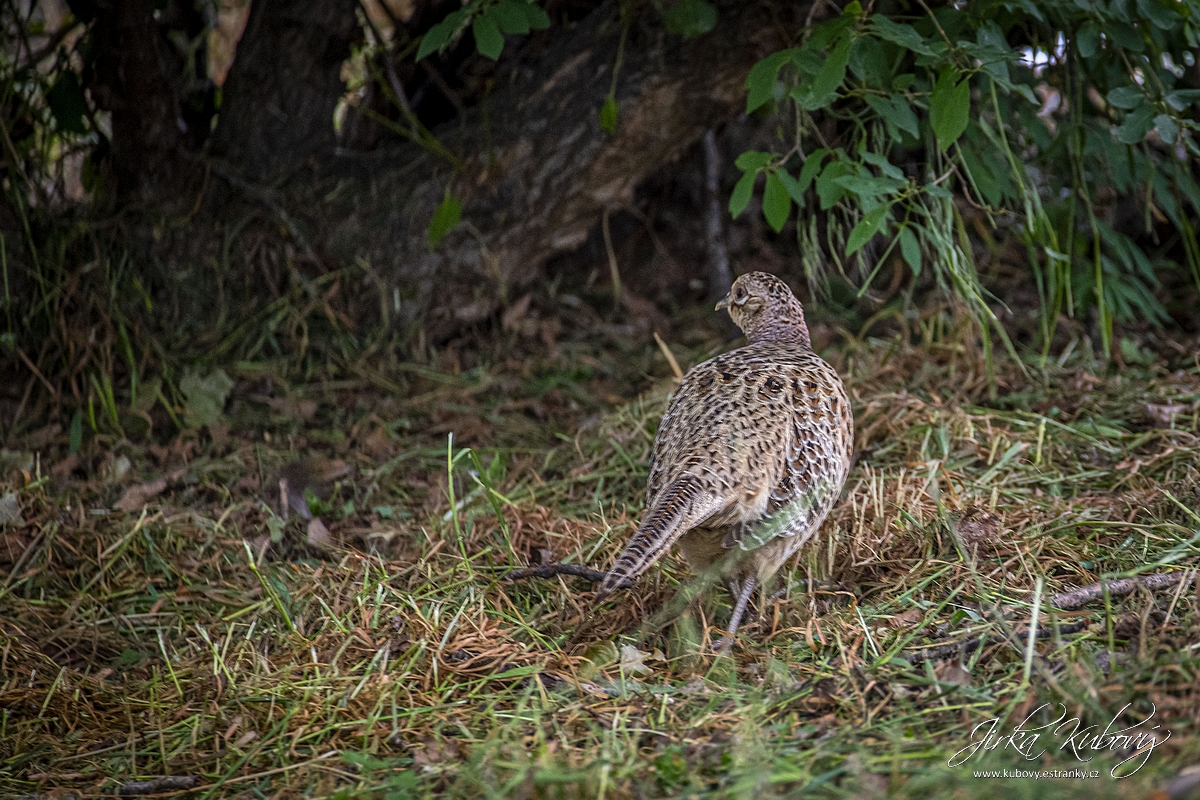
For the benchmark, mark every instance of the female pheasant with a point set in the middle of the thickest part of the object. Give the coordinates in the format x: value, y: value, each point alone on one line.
x: 752, y: 452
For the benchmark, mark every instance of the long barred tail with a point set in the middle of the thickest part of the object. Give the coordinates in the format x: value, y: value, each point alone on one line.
x: 681, y: 506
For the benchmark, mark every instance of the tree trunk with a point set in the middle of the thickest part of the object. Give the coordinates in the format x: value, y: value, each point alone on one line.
x: 278, y: 102
x: 539, y: 170
x: 132, y: 82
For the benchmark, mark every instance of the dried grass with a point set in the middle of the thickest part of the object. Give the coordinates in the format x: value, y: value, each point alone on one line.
x: 139, y: 645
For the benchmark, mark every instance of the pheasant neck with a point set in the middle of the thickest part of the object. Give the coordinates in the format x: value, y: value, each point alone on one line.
x: 780, y: 332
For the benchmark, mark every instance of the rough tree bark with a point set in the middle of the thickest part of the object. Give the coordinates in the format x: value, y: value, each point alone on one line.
x: 285, y: 81
x: 539, y: 169
x: 132, y: 83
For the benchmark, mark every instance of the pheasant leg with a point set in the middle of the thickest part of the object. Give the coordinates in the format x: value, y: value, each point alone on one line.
x: 739, y: 611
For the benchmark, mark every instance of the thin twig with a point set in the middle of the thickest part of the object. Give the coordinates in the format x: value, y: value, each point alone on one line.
x: 171, y: 783
x: 390, y: 69
x: 551, y: 570
x: 37, y: 373
x: 937, y: 24
x: 443, y: 87
x: 1077, y: 598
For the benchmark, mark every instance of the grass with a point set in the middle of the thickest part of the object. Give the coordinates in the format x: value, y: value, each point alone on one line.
x: 202, y: 637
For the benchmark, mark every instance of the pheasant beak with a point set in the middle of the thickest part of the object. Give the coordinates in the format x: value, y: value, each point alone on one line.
x: 722, y: 304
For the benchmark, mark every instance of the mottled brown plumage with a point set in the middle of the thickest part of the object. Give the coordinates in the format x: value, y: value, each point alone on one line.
x: 752, y: 452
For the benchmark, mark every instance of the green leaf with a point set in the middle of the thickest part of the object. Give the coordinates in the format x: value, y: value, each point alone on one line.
x: 445, y: 219
x: 67, y: 103
x: 760, y: 83
x: 488, y: 39
x: 886, y: 167
x: 871, y: 186
x: 205, y: 396
x: 1126, y: 97
x: 777, y: 203
x: 608, y: 114
x: 867, y: 227
x: 1161, y: 14
x: 511, y: 17
x: 1024, y: 90
x: 950, y: 107
x: 690, y: 18
x: 993, y: 52
x: 1167, y: 128
x: 808, y: 62
x: 742, y: 191
x: 980, y: 174
x: 903, y: 115
x: 364, y: 760
x: 438, y: 36
x: 812, y: 167
x: 824, y: 87
x: 910, y: 249
x: 1182, y: 98
x: 75, y: 436
x: 896, y: 111
x: 898, y: 33
x: 792, y: 185
x: 516, y: 672
x: 1136, y: 125
x: 938, y: 191
x: 539, y: 20
x: 1125, y: 36
x: 828, y: 189
x: 753, y: 160
x: 870, y: 62
x: 1087, y: 39
x: 833, y: 73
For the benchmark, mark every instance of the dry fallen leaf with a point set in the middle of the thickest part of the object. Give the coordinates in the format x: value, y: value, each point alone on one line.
x: 633, y: 660
x: 10, y: 510
x: 137, y: 496
x: 318, y: 534
x: 301, y: 410
x: 434, y: 751
x: 245, y: 739
x: 64, y: 468
x: 1163, y: 415
x: 219, y: 433
x: 232, y: 16
x: 378, y: 444
x: 42, y: 437
x: 305, y: 475
x: 952, y: 671
x: 905, y: 620
x: 977, y: 528
x: 511, y: 319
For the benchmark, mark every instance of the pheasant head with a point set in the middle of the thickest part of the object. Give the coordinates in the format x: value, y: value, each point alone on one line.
x: 766, y: 310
